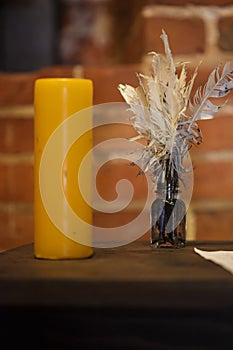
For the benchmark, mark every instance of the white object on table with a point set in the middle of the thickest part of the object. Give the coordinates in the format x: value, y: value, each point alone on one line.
x: 224, y: 258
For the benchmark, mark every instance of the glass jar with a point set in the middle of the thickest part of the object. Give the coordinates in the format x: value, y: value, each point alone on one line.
x: 168, y: 211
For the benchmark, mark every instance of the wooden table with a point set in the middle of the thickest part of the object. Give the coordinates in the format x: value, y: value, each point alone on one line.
x: 128, y: 297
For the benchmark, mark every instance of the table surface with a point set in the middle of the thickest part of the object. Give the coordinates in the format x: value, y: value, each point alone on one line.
x: 130, y: 275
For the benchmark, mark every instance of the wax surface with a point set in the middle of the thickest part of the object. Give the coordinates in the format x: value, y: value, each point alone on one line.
x: 56, y: 99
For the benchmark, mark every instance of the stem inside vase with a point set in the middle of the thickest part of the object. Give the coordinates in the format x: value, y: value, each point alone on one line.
x: 168, y: 212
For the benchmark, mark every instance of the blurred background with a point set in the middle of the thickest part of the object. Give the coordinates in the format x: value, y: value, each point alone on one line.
x: 108, y: 41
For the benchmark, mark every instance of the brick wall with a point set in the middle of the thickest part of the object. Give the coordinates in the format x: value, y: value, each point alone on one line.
x: 200, y: 30
x: 16, y: 155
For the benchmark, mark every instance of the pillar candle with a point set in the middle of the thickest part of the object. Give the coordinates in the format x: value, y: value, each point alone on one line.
x: 55, y: 100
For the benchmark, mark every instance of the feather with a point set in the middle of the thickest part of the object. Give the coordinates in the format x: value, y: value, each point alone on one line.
x: 217, y: 86
x: 163, y: 114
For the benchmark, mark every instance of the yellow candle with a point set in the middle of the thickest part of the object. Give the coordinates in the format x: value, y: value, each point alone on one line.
x: 55, y: 100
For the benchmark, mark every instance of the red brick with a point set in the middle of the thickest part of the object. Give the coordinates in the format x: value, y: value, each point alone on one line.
x: 107, y: 79
x: 18, y: 88
x: 179, y: 31
x: 217, y: 135
x: 16, y: 181
x: 225, y: 27
x: 16, y: 135
x: 106, y: 132
x: 112, y: 220
x: 112, y: 172
x: 16, y: 227
x: 213, y: 180
x: 126, y: 33
x: 109, y: 220
x: 214, y: 225
x: 63, y: 71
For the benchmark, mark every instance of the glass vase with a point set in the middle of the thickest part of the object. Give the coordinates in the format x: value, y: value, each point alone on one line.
x: 168, y: 212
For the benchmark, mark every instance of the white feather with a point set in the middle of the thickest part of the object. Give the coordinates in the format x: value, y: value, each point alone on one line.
x: 217, y: 86
x: 162, y: 111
